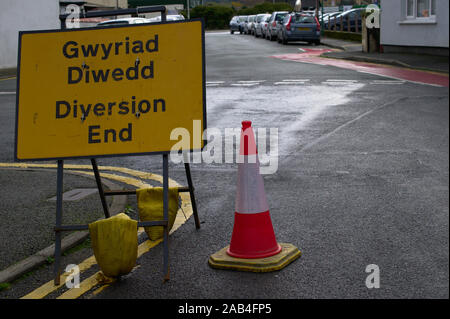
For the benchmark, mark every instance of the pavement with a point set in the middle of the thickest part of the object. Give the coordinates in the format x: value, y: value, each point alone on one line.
x: 29, y: 210
x: 350, y: 50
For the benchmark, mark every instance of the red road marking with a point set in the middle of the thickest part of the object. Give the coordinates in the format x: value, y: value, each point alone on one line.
x: 417, y: 76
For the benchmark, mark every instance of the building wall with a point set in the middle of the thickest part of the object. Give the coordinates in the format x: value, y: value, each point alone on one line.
x: 396, y: 32
x: 21, y: 15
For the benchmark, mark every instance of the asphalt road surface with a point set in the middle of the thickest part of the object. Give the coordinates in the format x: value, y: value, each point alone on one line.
x: 362, y: 178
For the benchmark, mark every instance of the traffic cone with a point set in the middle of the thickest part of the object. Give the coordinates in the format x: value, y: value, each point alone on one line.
x: 253, y: 245
x: 253, y: 235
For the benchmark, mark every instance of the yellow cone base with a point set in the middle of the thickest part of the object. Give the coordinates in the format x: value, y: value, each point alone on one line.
x: 222, y: 260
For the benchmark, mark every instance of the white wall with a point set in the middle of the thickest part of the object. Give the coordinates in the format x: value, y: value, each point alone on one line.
x: 394, y: 32
x: 21, y: 15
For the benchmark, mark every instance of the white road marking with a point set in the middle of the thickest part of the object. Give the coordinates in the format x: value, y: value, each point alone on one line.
x: 244, y: 84
x: 297, y: 80
x: 341, y: 80
x: 252, y: 81
x: 288, y: 83
x: 7, y: 93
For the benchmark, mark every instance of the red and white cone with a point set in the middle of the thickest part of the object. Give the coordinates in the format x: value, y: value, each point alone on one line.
x: 253, y: 235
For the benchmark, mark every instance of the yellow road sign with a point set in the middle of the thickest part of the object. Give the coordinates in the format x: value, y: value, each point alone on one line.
x: 109, y: 91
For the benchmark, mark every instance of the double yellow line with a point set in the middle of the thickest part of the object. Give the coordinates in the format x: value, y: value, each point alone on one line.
x: 97, y: 280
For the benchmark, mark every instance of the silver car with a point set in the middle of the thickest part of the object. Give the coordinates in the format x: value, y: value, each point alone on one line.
x: 265, y: 26
x: 275, y: 20
x: 259, y: 25
x: 248, y: 28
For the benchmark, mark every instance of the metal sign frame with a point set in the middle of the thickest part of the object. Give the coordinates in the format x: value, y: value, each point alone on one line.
x: 103, y: 14
x: 59, y: 228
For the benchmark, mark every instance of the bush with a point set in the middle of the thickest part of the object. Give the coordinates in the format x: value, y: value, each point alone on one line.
x: 215, y: 16
x: 266, y: 7
x: 218, y: 17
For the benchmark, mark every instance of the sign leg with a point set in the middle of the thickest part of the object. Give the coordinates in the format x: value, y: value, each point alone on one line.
x: 191, y: 192
x: 59, y: 191
x: 166, y: 215
x: 100, y: 187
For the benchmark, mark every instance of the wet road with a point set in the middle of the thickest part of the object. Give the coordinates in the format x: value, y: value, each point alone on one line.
x: 362, y: 178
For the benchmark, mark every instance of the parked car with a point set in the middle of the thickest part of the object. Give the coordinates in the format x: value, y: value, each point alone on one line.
x: 169, y: 17
x: 260, y: 19
x: 251, y: 24
x: 265, y: 25
x: 329, y: 17
x: 234, y: 24
x: 242, y: 22
x: 275, y: 19
x: 123, y: 21
x: 299, y: 27
x: 348, y: 17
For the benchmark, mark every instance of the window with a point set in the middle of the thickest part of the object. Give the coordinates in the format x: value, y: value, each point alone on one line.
x: 303, y: 19
x: 423, y: 8
x: 419, y: 9
x: 410, y: 8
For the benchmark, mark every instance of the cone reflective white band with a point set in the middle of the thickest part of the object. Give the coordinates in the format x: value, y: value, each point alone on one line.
x: 250, y: 197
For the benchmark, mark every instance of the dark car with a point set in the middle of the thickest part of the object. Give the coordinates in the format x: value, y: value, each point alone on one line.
x: 348, y: 17
x: 242, y: 21
x: 299, y: 27
x: 328, y: 17
x: 275, y: 19
x: 234, y: 24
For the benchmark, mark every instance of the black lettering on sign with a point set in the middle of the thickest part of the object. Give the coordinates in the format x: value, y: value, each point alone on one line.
x: 109, y: 134
x: 64, y: 108
x: 92, y: 134
x: 76, y: 75
x: 60, y: 112
x: 71, y: 49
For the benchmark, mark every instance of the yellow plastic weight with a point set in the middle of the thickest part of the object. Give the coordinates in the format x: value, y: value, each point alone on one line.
x: 150, y: 207
x: 115, y: 244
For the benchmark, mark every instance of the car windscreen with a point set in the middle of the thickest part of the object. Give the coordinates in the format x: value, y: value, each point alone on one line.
x: 280, y: 16
x: 303, y: 19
